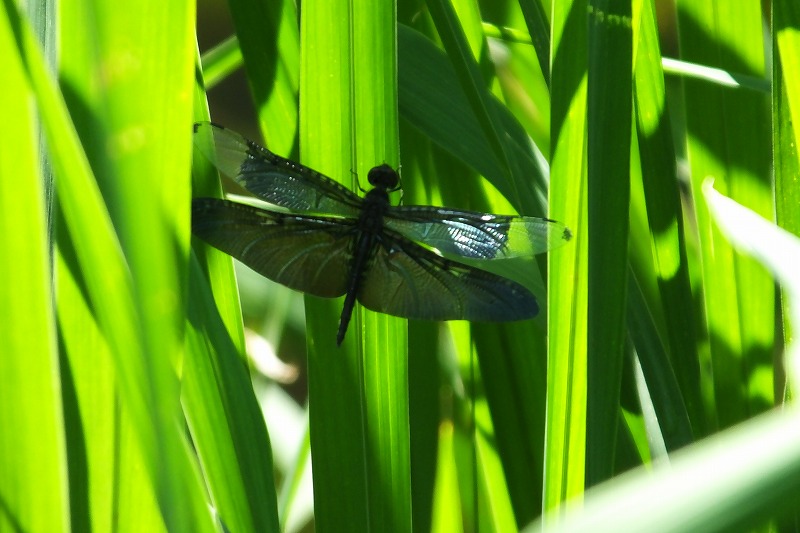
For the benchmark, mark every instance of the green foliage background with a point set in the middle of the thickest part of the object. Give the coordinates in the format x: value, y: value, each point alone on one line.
x: 127, y: 401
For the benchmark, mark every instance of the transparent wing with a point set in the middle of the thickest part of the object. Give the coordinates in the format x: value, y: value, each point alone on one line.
x: 309, y: 254
x: 272, y: 178
x: 404, y: 279
x: 477, y: 235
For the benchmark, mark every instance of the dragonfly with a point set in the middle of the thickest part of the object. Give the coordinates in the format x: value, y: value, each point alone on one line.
x: 327, y: 241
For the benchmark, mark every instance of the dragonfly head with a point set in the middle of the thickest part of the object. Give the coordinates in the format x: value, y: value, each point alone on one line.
x: 384, y: 177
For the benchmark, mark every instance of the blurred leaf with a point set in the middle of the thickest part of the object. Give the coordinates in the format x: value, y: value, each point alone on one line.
x: 136, y: 298
x: 706, y: 486
x: 33, y: 484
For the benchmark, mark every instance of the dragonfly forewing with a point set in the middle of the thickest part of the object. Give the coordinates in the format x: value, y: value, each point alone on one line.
x: 272, y: 178
x: 477, y: 235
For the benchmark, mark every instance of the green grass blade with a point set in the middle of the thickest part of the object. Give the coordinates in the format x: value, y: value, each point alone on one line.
x: 385, y: 349
x: 92, y: 402
x: 225, y: 420
x: 33, y: 482
x: 432, y: 99
x: 567, y: 288
x: 428, y: 450
x: 609, y: 101
x: 110, y: 291
x: 446, y: 515
x: 268, y: 39
x: 786, y: 123
x: 513, y: 373
x: 715, y: 76
x: 221, y: 409
x: 217, y: 265
x: 665, y: 218
x: 489, y: 451
x: 221, y: 61
x: 785, y: 23
x: 147, y: 386
x: 510, y: 356
x: 539, y: 29
x: 672, y: 424
x: 786, y: 111
x: 462, y: 56
x: 774, y: 247
x: 728, y: 140
x: 337, y: 420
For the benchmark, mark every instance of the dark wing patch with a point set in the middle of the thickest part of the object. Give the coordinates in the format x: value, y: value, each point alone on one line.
x: 476, y: 235
x: 270, y: 177
x: 404, y: 279
x: 309, y: 254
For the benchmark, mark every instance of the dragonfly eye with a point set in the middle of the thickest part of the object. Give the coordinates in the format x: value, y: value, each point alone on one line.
x: 383, y: 176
